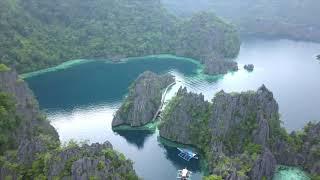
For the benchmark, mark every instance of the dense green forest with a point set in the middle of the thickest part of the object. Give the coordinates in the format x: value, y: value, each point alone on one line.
x: 296, y: 19
x: 35, y: 34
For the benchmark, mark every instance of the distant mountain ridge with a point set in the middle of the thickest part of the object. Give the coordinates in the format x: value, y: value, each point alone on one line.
x: 293, y: 19
x: 37, y: 34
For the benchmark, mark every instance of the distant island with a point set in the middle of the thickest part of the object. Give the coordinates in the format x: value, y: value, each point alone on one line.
x: 318, y: 57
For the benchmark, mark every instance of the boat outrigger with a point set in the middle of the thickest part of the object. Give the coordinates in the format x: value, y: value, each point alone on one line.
x: 184, y: 174
x: 187, y: 154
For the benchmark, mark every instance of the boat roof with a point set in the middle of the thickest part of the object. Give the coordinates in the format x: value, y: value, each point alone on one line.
x: 186, y: 154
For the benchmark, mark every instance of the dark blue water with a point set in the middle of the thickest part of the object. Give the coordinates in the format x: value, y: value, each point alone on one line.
x: 97, y: 82
x: 80, y: 101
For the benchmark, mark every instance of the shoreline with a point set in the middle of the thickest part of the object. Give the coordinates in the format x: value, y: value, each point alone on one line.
x: 290, y: 172
x: 151, y: 126
x: 62, y: 66
x: 71, y: 63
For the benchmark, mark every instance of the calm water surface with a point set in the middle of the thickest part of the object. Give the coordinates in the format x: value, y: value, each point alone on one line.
x: 80, y: 101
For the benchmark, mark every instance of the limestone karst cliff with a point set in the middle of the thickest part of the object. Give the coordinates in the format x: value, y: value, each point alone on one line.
x: 143, y: 100
x: 240, y: 134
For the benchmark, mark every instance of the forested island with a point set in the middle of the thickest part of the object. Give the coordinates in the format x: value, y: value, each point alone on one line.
x: 39, y: 34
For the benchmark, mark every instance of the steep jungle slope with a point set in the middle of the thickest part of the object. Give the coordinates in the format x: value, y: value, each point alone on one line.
x: 36, y: 34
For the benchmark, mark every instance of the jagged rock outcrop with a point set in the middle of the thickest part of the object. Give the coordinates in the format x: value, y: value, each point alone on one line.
x: 264, y: 167
x: 180, y: 114
x: 249, y: 67
x: 251, y: 110
x: 216, y: 67
x: 31, y: 134
x: 237, y: 126
x: 143, y: 101
x: 227, y: 111
x: 97, y: 160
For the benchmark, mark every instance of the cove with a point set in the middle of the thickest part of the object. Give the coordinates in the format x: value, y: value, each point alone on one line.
x: 81, y: 100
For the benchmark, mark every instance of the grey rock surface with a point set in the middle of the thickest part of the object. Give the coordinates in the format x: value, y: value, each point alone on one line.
x: 143, y: 101
x: 32, y: 120
x: 89, y: 161
x: 264, y: 166
x: 176, y: 123
x: 227, y: 111
x: 230, y: 109
x: 237, y: 118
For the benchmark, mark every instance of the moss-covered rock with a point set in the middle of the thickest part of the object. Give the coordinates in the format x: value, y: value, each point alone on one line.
x: 4, y: 68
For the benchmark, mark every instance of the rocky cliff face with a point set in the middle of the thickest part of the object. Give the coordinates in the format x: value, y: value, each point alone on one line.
x: 180, y: 114
x: 300, y: 148
x: 90, y: 161
x: 235, y: 125
x: 32, y: 121
x: 33, y: 150
x: 249, y: 111
x: 143, y: 101
x: 240, y: 134
x: 227, y: 111
x: 264, y: 167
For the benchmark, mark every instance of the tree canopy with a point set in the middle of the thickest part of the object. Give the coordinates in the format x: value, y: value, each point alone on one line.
x: 36, y: 34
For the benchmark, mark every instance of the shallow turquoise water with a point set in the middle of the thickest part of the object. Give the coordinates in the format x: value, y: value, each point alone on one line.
x: 290, y: 173
x: 80, y: 101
